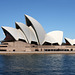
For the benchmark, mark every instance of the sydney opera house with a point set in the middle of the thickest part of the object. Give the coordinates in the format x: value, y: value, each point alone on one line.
x: 31, y: 37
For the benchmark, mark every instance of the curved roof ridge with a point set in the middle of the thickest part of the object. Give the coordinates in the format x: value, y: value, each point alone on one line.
x: 40, y: 32
x: 56, y: 36
x: 33, y: 35
x: 71, y: 41
x: 25, y: 30
x: 14, y: 32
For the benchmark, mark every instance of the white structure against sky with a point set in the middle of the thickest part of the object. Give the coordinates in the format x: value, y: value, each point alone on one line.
x: 24, y: 29
x: 33, y: 36
x: 33, y: 32
x: 16, y: 33
x: 54, y: 37
x: 70, y: 41
x: 28, y: 32
x: 40, y: 32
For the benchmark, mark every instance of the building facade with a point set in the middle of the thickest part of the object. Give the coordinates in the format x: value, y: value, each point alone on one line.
x: 31, y: 37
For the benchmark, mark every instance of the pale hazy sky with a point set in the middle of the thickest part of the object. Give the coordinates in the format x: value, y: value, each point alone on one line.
x: 51, y: 14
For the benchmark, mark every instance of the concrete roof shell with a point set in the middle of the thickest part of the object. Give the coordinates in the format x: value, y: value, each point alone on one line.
x: 28, y: 32
x: 49, y: 39
x: 54, y: 37
x: 40, y: 32
x: 21, y: 35
x: 16, y: 33
x: 71, y: 41
x: 33, y: 35
x: 25, y: 30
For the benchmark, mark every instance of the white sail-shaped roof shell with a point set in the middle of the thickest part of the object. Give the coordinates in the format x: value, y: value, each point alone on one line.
x: 33, y: 35
x: 71, y: 41
x: 28, y: 32
x: 54, y: 37
x: 25, y: 30
x: 49, y: 39
x: 21, y: 35
x: 40, y: 33
x: 16, y: 33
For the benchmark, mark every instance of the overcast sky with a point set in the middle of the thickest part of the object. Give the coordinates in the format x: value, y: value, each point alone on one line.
x: 51, y: 14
